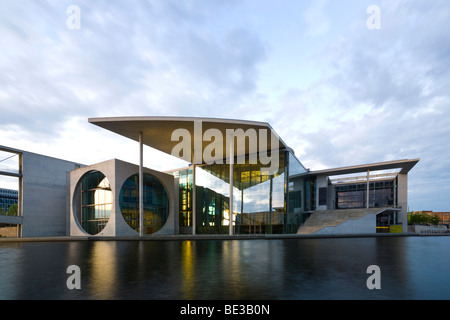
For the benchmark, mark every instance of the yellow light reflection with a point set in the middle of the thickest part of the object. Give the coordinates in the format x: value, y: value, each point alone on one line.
x: 232, y: 261
x: 188, y: 269
x: 103, y: 275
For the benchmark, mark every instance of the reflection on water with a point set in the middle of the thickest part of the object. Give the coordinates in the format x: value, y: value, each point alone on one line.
x: 411, y: 268
x: 103, y: 269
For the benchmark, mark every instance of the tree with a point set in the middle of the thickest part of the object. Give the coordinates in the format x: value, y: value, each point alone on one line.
x: 12, y: 211
x: 422, y: 218
x: 434, y: 219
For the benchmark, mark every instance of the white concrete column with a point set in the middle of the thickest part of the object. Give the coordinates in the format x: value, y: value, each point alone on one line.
x: 231, y: 159
x: 270, y: 203
x: 20, y: 195
x: 141, y: 184
x: 194, y: 197
x: 197, y: 158
x: 395, y: 192
x: 367, y: 195
x: 402, y: 199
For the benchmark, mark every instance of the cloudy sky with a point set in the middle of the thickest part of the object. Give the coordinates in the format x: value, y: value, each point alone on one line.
x: 337, y: 90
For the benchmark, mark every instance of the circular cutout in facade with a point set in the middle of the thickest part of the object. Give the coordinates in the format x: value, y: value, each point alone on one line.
x: 156, y: 205
x: 95, y: 202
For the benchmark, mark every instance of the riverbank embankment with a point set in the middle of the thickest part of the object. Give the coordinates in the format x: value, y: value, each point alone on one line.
x: 215, y: 237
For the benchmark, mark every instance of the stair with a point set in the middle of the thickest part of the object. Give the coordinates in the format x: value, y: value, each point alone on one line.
x: 331, y: 218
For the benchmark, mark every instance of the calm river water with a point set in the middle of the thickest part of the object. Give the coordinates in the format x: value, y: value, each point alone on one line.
x: 410, y: 268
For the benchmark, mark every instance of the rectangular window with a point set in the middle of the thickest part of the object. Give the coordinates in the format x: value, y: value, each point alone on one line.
x: 323, y: 196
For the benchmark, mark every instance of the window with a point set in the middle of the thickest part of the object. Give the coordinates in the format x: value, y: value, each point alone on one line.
x: 156, y: 206
x: 96, y: 202
x: 381, y: 194
x: 323, y: 196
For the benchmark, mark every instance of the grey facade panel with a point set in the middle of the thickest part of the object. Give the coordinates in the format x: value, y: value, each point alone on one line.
x: 44, y: 195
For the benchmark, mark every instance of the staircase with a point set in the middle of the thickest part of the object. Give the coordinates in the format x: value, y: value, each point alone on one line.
x: 331, y: 218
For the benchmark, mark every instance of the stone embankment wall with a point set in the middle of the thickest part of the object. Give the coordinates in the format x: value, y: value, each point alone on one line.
x: 8, y: 232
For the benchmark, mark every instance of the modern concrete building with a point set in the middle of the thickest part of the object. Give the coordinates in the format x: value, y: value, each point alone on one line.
x: 105, y: 200
x: 42, y: 194
x: 240, y: 178
x: 354, y: 199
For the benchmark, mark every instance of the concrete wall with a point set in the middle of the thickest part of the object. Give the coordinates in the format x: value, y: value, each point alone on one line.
x: 44, y: 195
x: 402, y: 200
x: 118, y: 172
x: 364, y: 225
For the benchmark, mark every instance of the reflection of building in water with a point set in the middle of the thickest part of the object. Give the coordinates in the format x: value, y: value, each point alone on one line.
x: 248, y: 181
x: 103, y: 275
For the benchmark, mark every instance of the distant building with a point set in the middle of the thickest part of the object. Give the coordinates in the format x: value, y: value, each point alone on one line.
x: 8, y: 198
x: 444, y: 217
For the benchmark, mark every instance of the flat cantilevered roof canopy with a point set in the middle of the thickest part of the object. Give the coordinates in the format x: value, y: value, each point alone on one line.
x: 404, y: 165
x: 157, y: 131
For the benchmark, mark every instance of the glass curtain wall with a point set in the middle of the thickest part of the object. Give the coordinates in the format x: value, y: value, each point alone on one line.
x: 261, y: 202
x: 96, y: 202
x: 156, y: 205
x: 298, y: 195
x: 185, y: 182
x: 381, y: 194
x: 212, y: 199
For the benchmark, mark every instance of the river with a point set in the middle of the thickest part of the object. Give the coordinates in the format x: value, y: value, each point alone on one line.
x: 276, y: 269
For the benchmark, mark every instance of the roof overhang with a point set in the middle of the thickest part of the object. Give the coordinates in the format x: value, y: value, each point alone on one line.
x: 404, y: 166
x: 160, y: 133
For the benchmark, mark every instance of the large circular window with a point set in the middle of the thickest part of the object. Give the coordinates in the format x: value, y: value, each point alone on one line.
x: 156, y: 206
x: 96, y: 202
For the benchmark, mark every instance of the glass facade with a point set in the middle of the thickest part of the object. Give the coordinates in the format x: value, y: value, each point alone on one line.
x: 381, y: 194
x: 262, y: 203
x: 298, y: 195
x: 96, y: 202
x: 185, y: 181
x: 156, y: 205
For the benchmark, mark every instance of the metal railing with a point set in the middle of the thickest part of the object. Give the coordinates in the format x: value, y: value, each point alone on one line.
x: 434, y: 231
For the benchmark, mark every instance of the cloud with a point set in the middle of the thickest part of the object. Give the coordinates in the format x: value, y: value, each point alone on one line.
x: 390, y: 97
x: 344, y: 94
x: 146, y: 59
x: 317, y: 20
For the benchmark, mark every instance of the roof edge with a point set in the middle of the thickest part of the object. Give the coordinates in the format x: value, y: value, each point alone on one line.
x: 95, y: 120
x: 405, y: 165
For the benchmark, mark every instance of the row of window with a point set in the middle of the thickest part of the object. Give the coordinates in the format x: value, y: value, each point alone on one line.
x: 8, y: 192
x: 381, y: 194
